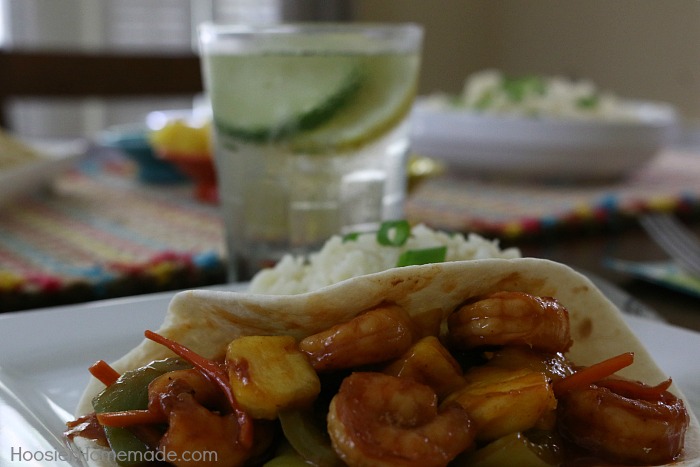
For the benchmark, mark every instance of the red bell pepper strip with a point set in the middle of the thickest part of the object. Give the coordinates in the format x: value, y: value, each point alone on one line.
x: 104, y: 373
x: 593, y: 373
x: 635, y: 389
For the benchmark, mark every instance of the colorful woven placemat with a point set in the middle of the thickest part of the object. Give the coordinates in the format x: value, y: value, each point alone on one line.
x: 507, y: 208
x: 99, y: 232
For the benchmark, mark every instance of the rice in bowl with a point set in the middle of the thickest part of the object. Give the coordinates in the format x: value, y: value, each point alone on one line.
x: 341, y: 259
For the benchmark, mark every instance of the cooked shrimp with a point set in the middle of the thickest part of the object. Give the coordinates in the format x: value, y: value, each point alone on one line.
x: 194, y: 429
x: 198, y: 420
x: 163, y: 387
x: 375, y: 336
x: 381, y: 420
x: 512, y: 318
x: 622, y: 427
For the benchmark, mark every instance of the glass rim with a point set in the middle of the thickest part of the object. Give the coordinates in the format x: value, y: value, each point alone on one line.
x: 235, y: 29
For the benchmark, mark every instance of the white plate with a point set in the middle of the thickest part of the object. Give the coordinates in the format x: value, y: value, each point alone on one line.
x: 44, y: 356
x: 56, y: 157
x: 542, y: 148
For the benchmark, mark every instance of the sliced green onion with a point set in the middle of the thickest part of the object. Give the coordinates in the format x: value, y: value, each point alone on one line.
x: 423, y: 256
x: 484, y: 101
x: 588, y: 102
x: 520, y: 87
x: 351, y: 237
x: 401, y: 230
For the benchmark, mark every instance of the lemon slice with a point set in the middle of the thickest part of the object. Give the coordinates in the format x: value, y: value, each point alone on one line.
x: 268, y: 98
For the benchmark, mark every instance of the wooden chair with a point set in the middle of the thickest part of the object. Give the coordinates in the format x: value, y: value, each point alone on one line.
x: 53, y: 74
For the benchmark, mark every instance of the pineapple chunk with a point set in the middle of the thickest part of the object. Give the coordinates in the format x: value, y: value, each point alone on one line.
x: 502, y: 401
x: 429, y: 363
x: 512, y: 449
x: 269, y: 374
x: 180, y: 138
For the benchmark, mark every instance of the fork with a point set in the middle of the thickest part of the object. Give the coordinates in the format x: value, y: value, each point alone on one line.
x: 675, y: 239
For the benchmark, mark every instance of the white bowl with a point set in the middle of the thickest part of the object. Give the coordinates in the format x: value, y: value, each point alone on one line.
x: 514, y: 146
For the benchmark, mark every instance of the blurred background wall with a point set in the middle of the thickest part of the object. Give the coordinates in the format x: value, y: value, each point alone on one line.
x: 646, y: 49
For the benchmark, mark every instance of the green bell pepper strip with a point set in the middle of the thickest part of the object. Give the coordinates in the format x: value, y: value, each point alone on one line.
x: 128, y: 392
x: 286, y: 456
x: 307, y: 434
x: 287, y: 460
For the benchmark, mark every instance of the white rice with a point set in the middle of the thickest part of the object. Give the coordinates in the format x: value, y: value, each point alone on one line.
x: 338, y: 260
x: 558, y: 98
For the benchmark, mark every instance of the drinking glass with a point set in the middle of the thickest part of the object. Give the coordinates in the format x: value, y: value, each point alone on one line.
x: 311, y: 131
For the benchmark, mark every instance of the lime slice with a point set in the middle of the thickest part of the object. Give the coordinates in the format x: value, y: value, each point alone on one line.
x: 383, y: 100
x: 312, y: 103
x: 271, y: 97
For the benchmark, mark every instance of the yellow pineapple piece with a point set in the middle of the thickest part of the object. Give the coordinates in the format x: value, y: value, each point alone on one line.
x: 512, y: 449
x: 269, y: 374
x: 180, y: 138
x: 430, y: 363
x: 502, y: 401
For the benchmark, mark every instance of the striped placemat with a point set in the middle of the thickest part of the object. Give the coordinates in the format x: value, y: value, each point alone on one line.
x: 99, y: 232
x: 507, y: 208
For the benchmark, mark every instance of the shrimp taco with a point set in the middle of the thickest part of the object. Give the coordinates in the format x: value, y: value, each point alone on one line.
x: 459, y: 363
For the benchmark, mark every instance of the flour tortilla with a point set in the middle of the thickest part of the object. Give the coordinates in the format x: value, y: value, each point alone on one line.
x: 206, y: 321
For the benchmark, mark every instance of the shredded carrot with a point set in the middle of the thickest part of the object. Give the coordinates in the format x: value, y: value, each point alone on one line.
x: 127, y: 418
x: 215, y: 373
x: 103, y: 372
x: 636, y: 390
x: 593, y: 373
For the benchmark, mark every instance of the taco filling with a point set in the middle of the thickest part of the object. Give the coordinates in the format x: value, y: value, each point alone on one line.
x: 489, y: 382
